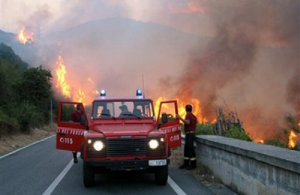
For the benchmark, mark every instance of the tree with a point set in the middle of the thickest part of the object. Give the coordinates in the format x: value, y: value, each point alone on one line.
x: 6, y: 53
x: 25, y: 93
x: 35, y: 88
x: 11, y: 67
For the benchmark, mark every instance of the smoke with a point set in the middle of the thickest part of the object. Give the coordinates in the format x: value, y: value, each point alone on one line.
x: 293, y: 93
x: 242, y: 53
x: 37, y: 20
x: 252, y: 64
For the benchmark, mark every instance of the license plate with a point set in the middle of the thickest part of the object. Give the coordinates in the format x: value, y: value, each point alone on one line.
x: 157, y: 162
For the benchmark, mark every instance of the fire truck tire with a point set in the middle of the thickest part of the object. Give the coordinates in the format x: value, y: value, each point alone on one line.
x: 169, y: 152
x: 161, y: 175
x: 88, y: 176
x: 81, y: 151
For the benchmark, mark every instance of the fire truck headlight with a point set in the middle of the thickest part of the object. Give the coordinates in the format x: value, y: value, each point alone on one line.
x: 98, y: 145
x: 153, y: 144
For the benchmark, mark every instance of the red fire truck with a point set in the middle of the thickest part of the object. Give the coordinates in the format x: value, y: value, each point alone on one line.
x: 111, y: 139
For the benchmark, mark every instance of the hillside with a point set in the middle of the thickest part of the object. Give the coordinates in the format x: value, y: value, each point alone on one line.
x: 125, y: 47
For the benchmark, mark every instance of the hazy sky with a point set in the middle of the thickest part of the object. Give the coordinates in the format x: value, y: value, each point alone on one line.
x: 53, y: 15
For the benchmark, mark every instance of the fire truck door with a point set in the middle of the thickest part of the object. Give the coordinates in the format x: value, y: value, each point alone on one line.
x: 70, y: 134
x: 168, y: 122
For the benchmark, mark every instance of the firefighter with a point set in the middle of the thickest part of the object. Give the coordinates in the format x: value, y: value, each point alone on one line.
x: 124, y: 111
x: 75, y: 117
x: 190, y: 122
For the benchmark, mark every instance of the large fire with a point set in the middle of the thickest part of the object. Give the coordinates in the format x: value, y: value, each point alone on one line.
x: 25, y: 37
x: 61, y: 78
x: 78, y: 94
x: 64, y: 86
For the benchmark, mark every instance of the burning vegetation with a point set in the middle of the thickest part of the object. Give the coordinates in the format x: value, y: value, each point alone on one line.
x: 238, y: 66
x: 25, y: 37
x: 249, y: 50
x: 225, y: 122
x: 67, y: 87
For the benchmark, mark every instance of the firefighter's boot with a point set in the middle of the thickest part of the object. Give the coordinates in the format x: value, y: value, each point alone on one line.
x: 192, y: 166
x: 185, y: 164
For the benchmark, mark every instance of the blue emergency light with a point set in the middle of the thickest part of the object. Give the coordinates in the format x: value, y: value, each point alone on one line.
x: 139, y: 93
x: 102, y: 93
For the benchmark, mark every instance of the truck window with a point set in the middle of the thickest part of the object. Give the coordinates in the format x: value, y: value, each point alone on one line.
x: 135, y: 108
x: 169, y: 109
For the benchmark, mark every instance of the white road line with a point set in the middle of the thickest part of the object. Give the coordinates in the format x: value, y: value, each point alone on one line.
x: 59, y: 178
x: 24, y: 147
x: 175, y: 187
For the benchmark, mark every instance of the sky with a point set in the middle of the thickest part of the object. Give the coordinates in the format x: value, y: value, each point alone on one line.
x: 249, y: 62
x: 60, y: 14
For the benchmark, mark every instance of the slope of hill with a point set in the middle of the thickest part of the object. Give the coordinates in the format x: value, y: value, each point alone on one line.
x: 117, y: 52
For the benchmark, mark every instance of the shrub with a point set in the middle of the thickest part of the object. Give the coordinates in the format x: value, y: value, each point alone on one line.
x: 277, y: 141
x: 7, y: 124
x: 205, y: 129
x: 26, y: 115
x: 237, y: 133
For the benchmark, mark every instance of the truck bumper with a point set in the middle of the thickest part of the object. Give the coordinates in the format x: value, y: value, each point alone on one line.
x: 122, y: 165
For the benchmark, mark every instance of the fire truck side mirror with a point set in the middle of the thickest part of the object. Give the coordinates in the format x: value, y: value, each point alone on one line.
x: 164, y: 118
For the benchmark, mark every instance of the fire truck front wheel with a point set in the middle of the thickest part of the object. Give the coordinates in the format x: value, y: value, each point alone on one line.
x: 88, y: 176
x: 161, y: 175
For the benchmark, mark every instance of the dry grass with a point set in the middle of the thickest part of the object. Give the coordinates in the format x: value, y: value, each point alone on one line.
x: 11, y: 142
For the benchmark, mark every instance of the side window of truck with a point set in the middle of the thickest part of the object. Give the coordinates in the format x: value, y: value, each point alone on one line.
x: 66, y: 112
x: 169, y: 110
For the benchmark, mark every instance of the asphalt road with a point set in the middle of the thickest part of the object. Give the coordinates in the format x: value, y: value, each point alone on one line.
x: 41, y: 169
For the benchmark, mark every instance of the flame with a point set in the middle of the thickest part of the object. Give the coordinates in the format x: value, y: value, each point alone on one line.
x: 96, y: 92
x: 157, y: 102
x: 90, y: 80
x: 181, y: 108
x: 259, y: 141
x: 196, y: 109
x: 25, y: 37
x: 65, y: 86
x: 61, y: 80
x: 292, y: 139
x: 80, y: 97
x: 262, y: 141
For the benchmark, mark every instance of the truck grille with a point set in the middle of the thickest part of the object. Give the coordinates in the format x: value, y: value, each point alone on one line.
x: 122, y: 147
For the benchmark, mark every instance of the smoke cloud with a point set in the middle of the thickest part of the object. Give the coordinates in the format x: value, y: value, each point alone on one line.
x: 244, y: 54
x: 252, y: 64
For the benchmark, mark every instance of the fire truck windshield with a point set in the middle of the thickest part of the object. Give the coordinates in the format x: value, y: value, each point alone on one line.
x: 123, y: 109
